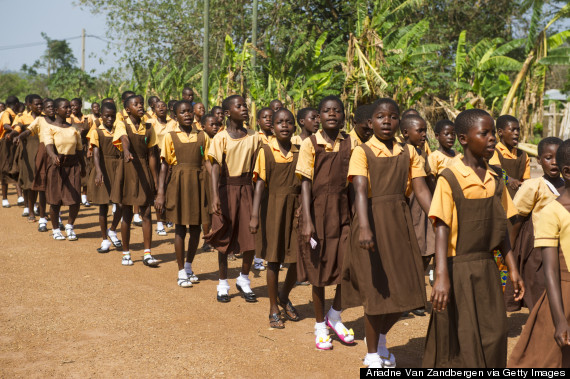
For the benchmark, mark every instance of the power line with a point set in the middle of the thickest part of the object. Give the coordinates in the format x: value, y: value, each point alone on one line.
x: 34, y: 44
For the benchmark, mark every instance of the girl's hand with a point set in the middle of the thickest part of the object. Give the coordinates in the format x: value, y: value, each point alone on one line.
x: 217, y: 206
x: 16, y: 140
x: 127, y: 156
x: 366, y: 238
x: 56, y: 160
x: 159, y: 203
x: 440, y: 292
x: 562, y: 334
x: 99, y: 179
x: 253, y: 224
x: 514, y: 184
x: 89, y: 153
x: 518, y: 285
x: 307, y: 230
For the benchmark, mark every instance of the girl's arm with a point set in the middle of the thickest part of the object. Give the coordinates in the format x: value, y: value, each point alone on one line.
x: 208, y: 166
x: 216, y: 205
x: 97, y: 164
x: 423, y: 194
x: 153, y: 163
x: 518, y: 220
x: 441, y: 287
x: 81, y: 162
x: 126, y: 148
x: 360, y: 184
x: 254, y: 221
x: 518, y: 283
x: 159, y: 202
x: 308, y: 228
x: 554, y: 293
x: 51, y: 153
x: 22, y: 136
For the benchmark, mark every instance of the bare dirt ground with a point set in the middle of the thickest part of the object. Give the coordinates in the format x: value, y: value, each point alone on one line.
x: 68, y: 311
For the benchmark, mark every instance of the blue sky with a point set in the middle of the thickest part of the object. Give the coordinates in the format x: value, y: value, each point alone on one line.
x: 24, y: 20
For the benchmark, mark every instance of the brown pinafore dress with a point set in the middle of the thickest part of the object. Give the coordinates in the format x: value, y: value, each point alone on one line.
x: 7, y: 151
x: 472, y: 331
x: 230, y: 230
x: 330, y: 211
x: 536, y: 346
x: 134, y: 184
x: 422, y: 226
x: 185, y: 190
x: 390, y: 278
x: 63, y: 182
x: 27, y: 160
x: 109, y: 161
x: 515, y: 169
x: 40, y: 162
x: 280, y: 224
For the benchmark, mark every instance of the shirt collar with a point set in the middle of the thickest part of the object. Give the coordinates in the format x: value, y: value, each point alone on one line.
x: 322, y: 141
x: 382, y: 148
x: 468, y: 171
x: 274, y: 144
x: 502, y: 147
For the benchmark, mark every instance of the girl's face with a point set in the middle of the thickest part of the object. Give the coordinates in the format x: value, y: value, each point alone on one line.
x: 49, y: 109
x: 199, y: 110
x: 238, y: 110
x: 331, y: 115
x: 37, y: 106
x: 480, y: 138
x: 284, y: 126
x: 548, y: 161
x: 385, y: 121
x: 416, y: 133
x: 185, y: 115
x: 108, y: 117
x: 212, y: 126
x: 160, y: 109
x: 510, y: 135
x: 264, y: 120
x: 310, y: 122
x: 95, y: 108
x: 446, y: 137
x: 76, y: 108
x: 364, y: 131
x: 135, y: 107
x: 64, y: 109
x: 219, y: 115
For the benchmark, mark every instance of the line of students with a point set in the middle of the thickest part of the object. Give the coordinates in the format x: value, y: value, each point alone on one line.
x: 349, y: 210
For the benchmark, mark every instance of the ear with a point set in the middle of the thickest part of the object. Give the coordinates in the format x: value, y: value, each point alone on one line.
x: 500, y: 132
x: 404, y: 133
x: 566, y: 173
x: 462, y: 138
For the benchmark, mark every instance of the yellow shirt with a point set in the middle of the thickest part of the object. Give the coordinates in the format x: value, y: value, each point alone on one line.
x: 67, y: 141
x: 532, y: 196
x: 264, y: 138
x: 167, y: 152
x: 239, y: 152
x: 91, y: 120
x: 509, y: 155
x: 73, y: 119
x: 359, y: 163
x: 443, y: 206
x: 438, y: 161
x: 306, y: 161
x: 426, y: 145
x: 197, y: 125
x: 93, y: 136
x: 121, y: 130
x: 553, y: 228
x: 21, y: 120
x: 161, y: 129
x: 38, y: 126
x: 148, y: 116
x: 259, y: 169
x: 296, y: 140
x: 8, y: 116
x: 355, y: 136
x: 121, y: 116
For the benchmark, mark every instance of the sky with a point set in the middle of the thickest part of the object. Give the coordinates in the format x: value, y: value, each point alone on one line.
x: 59, y: 19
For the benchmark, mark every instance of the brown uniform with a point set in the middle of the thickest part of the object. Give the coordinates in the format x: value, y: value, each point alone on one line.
x: 472, y: 331
x: 109, y: 161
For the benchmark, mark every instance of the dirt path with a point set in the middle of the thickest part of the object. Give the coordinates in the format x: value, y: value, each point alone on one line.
x: 69, y: 311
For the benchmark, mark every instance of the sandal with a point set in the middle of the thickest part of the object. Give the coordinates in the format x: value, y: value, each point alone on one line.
x: 42, y: 227
x: 193, y: 278
x: 31, y: 218
x: 389, y: 362
x: 288, y: 310
x: 127, y: 261
x: 114, y: 239
x: 148, y: 260
x: 323, y: 339
x: 345, y: 335
x: 275, y: 321
x: 58, y: 236
x: 184, y: 283
x: 231, y: 257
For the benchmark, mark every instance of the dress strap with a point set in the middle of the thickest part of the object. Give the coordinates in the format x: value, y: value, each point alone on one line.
x: 456, y: 190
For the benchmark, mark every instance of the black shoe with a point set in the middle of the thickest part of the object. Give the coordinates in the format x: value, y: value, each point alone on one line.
x: 137, y: 223
x: 223, y: 298
x: 42, y: 228
x: 248, y: 296
x: 419, y: 312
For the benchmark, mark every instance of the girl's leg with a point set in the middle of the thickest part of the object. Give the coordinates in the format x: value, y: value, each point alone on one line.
x: 372, y: 325
x: 116, y: 218
x: 337, y: 299
x: 54, y: 216
x: 272, y: 286
x: 147, y: 226
x: 192, y: 248
x: 319, y: 303
x: 126, y: 227
x: 103, y: 210
x: 247, y: 261
x: 388, y: 321
x: 4, y: 190
x: 334, y: 320
x: 73, y: 211
x: 179, y: 237
x: 42, y: 202
x: 223, y: 266
x: 223, y: 285
x: 288, y: 285
x: 19, y: 191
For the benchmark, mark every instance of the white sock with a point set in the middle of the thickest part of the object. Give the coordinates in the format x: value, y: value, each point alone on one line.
x: 26, y: 209
x: 333, y: 315
x: 182, y: 274
x: 111, y: 233
x: 5, y: 202
x: 146, y: 251
x: 188, y: 267
x: 83, y: 198
x: 69, y: 226
x: 20, y: 199
x: 224, y: 282
x: 137, y: 217
x: 60, y: 220
x: 114, y: 208
x: 55, y: 231
x: 159, y: 225
x: 105, y: 244
x: 382, y: 349
x: 126, y: 253
x: 43, y: 221
x: 371, y: 357
x: 320, y: 325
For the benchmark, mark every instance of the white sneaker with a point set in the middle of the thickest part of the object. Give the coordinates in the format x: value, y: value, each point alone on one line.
x: 126, y: 261
x: 58, y: 236
x: 21, y: 200
x: 193, y: 278
x: 5, y: 203
x: 258, y: 266
x: 161, y: 232
x: 373, y: 362
x: 71, y: 236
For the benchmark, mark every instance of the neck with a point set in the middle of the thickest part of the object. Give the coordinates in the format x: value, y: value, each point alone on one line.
x: 234, y: 125
x: 285, y: 145
x: 135, y: 119
x: 186, y: 128
x: 305, y: 133
x: 267, y: 133
x: 446, y: 150
x: 473, y: 161
x: 60, y: 120
x: 161, y: 119
x: 508, y: 146
x: 331, y: 133
x: 556, y: 181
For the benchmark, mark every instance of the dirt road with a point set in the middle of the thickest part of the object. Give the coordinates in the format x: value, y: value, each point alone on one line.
x: 68, y: 311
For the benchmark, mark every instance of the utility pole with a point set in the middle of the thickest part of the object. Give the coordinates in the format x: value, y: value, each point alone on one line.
x: 206, y: 54
x: 254, y: 34
x: 83, y: 50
